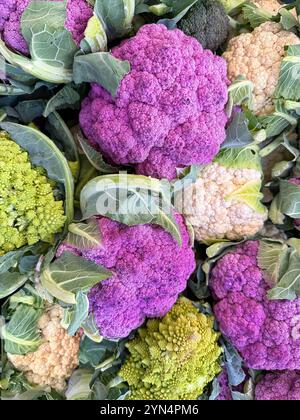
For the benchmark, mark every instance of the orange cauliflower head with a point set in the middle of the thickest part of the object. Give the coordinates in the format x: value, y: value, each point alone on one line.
x: 56, y: 359
x: 257, y: 56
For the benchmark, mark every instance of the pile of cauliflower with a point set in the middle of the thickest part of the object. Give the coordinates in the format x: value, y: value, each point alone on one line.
x: 181, y: 280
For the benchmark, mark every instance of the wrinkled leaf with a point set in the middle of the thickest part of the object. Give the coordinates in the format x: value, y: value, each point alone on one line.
x: 80, y: 314
x: 21, y: 334
x: 94, y: 157
x: 102, y: 68
x: 288, y: 201
x: 273, y: 257
x: 289, y: 285
x: 70, y: 274
x: 240, y: 92
x: 67, y: 97
x: 79, y: 385
x: 288, y: 84
x: 238, y: 134
x: 234, y: 363
x: 84, y: 235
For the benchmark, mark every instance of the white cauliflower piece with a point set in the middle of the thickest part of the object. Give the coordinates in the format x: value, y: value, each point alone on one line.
x: 271, y: 6
x: 224, y: 203
x: 56, y: 359
x: 258, y: 56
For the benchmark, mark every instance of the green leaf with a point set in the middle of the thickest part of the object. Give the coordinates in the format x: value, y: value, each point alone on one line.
x: 240, y: 92
x: 249, y: 194
x: 116, y: 16
x: 67, y: 97
x: 70, y: 274
x: 84, y: 235
x: 288, y: 201
x: 79, y: 385
x: 102, y: 68
x: 80, y: 314
x: 289, y: 78
x: 234, y: 364
x: 10, y: 282
x: 255, y: 15
x: 239, y: 158
x: 273, y: 258
x: 21, y: 334
x: 130, y: 199
x: 95, y: 158
x: 288, y: 288
x: 91, y: 330
x: 45, y: 154
x: 238, y: 134
x: 43, y: 27
x: 277, y: 122
x: 30, y: 110
x: 62, y: 136
x: 36, y: 68
x: 288, y: 20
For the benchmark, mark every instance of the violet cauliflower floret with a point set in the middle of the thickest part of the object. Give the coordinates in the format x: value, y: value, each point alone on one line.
x: 169, y: 110
x: 279, y: 386
x: 147, y: 277
x: 78, y: 14
x: 263, y: 331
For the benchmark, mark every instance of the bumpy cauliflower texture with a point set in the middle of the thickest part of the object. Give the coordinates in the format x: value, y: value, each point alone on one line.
x: 173, y: 358
x: 265, y: 332
x: 78, y: 14
x: 56, y: 359
x: 150, y: 270
x: 169, y: 110
x: 207, y: 22
x: 257, y: 56
x: 28, y: 210
x: 279, y: 386
x: 224, y: 203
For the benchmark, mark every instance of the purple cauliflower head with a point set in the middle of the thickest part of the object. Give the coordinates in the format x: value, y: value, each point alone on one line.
x: 265, y: 332
x: 147, y: 277
x: 279, y: 386
x: 78, y: 14
x: 168, y: 111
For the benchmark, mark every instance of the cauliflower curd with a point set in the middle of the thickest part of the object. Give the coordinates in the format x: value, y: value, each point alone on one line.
x: 257, y: 56
x: 56, y: 359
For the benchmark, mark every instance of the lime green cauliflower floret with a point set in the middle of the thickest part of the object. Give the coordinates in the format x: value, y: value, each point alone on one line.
x: 28, y: 210
x: 173, y: 358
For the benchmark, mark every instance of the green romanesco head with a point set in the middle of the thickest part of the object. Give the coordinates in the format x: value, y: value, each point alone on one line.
x: 28, y: 209
x: 173, y: 358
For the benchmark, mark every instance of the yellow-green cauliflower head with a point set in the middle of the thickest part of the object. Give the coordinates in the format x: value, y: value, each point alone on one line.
x: 56, y: 359
x: 173, y: 358
x: 257, y: 56
x: 225, y: 200
x: 28, y: 209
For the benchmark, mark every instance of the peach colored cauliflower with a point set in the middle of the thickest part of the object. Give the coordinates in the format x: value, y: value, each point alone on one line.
x: 224, y: 202
x: 257, y: 56
x: 56, y: 359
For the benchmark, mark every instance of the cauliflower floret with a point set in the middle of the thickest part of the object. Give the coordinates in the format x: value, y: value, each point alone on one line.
x: 279, y: 386
x: 173, y: 358
x: 147, y: 278
x: 168, y: 111
x: 77, y: 15
x: 265, y: 332
x: 258, y: 56
x: 28, y: 209
x: 219, y: 206
x: 56, y: 359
